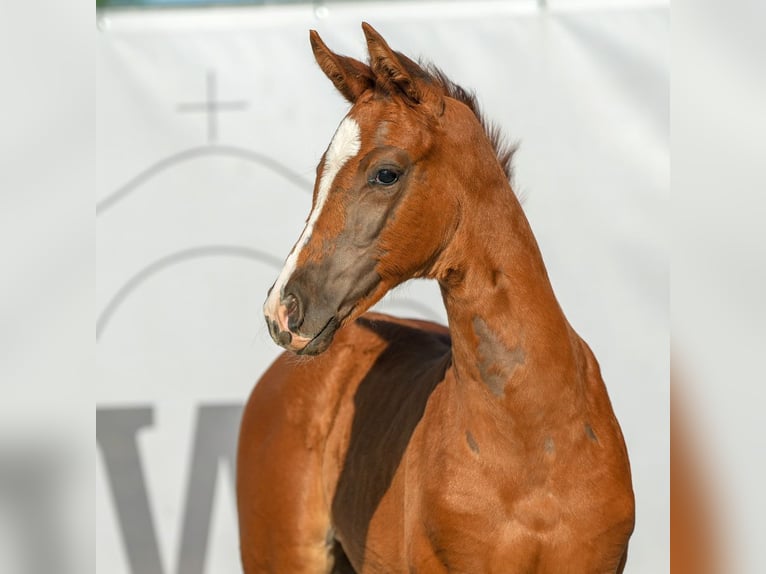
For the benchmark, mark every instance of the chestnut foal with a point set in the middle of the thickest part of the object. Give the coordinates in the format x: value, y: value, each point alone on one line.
x: 405, y: 446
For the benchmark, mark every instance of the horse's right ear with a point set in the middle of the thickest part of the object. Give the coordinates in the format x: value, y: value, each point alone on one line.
x: 350, y: 76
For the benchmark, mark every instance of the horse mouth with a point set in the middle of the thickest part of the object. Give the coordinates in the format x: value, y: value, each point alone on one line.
x: 319, y: 343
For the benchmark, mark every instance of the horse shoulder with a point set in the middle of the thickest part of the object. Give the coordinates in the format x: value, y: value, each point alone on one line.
x: 302, y: 394
x: 283, y: 450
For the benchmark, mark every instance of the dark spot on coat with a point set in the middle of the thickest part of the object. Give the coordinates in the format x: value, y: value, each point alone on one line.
x: 453, y: 277
x: 589, y: 432
x: 496, y: 361
x: 497, y: 276
x: 472, y: 442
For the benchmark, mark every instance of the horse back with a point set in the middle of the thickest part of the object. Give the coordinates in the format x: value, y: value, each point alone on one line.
x: 334, y: 428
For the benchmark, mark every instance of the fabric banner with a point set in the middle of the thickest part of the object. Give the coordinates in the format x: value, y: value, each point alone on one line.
x: 210, y: 125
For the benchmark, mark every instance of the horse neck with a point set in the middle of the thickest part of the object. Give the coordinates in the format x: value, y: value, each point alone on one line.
x: 513, y: 350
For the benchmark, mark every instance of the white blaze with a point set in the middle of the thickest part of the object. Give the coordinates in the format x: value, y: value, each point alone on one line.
x: 345, y: 144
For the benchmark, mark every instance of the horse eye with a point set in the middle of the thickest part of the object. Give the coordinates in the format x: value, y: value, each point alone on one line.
x: 386, y: 177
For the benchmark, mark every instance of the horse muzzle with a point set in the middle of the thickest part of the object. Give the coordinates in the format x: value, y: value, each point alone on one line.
x: 285, y: 319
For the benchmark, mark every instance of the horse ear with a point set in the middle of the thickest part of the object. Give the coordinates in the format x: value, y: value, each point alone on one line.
x: 351, y: 77
x: 393, y: 70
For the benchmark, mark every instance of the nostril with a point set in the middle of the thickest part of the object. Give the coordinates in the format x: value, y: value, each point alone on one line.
x: 294, y: 312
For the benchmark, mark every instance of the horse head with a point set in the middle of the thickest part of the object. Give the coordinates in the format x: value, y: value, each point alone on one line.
x: 388, y: 193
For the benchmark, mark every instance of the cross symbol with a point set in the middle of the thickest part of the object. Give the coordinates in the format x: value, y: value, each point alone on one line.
x: 211, y: 107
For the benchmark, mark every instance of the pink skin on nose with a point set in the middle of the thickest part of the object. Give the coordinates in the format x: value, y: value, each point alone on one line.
x: 282, y: 317
x: 297, y: 342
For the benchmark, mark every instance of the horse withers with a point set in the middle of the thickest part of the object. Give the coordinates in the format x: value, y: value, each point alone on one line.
x: 385, y: 445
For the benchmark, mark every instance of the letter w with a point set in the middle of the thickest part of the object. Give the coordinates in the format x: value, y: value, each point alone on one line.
x: 215, y: 439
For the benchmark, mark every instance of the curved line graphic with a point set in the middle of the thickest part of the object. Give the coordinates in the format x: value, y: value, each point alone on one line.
x: 209, y: 150
x: 174, y: 259
x: 184, y: 255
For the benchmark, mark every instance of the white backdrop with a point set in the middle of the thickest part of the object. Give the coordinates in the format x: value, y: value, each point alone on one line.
x: 210, y: 124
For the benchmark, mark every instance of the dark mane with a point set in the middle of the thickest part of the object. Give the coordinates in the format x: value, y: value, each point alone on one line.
x: 503, y: 150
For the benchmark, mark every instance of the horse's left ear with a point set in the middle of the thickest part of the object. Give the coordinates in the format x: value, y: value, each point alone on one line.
x: 397, y: 72
x: 351, y: 77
